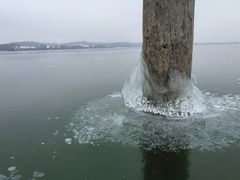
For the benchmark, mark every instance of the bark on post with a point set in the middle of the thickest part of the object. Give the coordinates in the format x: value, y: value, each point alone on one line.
x: 167, y: 47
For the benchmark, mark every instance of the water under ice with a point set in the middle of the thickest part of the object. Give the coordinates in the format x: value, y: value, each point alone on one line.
x: 202, y: 121
x: 108, y: 120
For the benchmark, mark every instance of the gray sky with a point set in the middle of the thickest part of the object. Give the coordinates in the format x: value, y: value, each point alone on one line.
x: 105, y: 20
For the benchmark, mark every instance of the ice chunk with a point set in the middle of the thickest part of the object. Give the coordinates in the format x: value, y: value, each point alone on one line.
x: 68, y: 140
x: 56, y: 133
x: 12, y: 168
x: 115, y: 95
x: 37, y: 174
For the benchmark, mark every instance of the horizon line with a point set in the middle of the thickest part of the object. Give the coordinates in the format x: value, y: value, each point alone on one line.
x: 206, y: 42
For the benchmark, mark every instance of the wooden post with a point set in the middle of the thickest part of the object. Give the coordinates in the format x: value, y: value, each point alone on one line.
x: 167, y: 47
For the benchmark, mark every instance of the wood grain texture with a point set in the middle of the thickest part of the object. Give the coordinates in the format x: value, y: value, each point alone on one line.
x: 167, y: 46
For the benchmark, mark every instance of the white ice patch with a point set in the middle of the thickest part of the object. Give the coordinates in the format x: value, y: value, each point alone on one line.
x: 12, y: 168
x: 37, y: 174
x: 11, y: 177
x: 108, y: 120
x: 56, y: 133
x: 68, y: 141
x: 189, y: 103
x: 3, y: 177
x: 14, y: 176
x: 115, y: 95
x: 238, y: 81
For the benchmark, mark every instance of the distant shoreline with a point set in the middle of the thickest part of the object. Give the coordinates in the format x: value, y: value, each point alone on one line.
x: 29, y: 45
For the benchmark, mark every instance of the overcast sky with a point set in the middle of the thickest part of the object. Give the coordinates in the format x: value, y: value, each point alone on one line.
x: 105, y: 20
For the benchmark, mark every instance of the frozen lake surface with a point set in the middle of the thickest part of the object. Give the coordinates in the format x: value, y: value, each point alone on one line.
x: 62, y: 117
